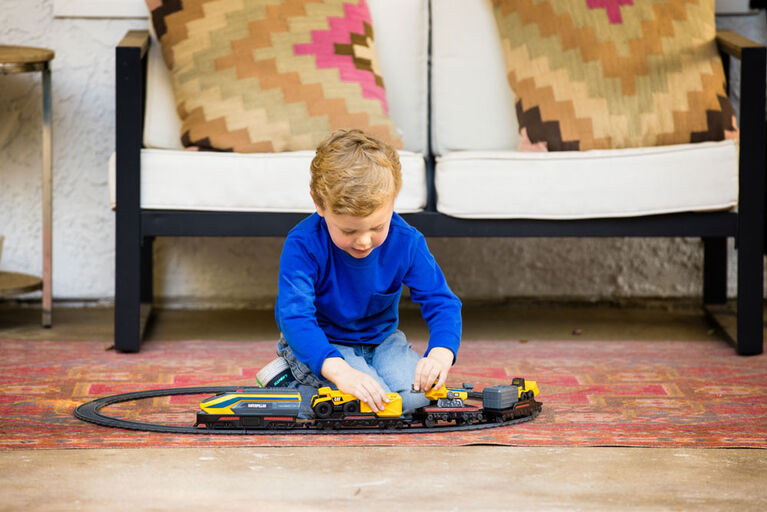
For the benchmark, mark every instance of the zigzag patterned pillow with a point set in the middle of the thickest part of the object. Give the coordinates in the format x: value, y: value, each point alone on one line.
x: 271, y: 75
x: 600, y: 74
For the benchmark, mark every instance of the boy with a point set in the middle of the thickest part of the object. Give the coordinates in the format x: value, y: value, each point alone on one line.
x: 341, y: 276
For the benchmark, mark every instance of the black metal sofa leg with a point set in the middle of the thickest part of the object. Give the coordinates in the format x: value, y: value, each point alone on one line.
x: 714, y: 270
x: 133, y: 294
x: 750, y: 291
x: 147, y: 274
x: 127, y: 296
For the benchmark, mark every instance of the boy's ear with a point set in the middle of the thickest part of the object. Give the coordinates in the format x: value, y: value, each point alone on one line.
x: 320, y: 210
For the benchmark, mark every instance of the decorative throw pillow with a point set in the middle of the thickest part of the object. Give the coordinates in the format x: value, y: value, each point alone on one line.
x: 271, y: 75
x: 599, y: 74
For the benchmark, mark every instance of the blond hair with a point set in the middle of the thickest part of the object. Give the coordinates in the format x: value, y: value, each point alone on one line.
x: 354, y: 173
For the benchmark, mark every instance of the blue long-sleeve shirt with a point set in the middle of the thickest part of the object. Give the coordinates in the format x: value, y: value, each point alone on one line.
x: 325, y: 295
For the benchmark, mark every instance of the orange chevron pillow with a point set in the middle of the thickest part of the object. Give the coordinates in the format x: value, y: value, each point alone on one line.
x: 600, y: 74
x: 271, y: 75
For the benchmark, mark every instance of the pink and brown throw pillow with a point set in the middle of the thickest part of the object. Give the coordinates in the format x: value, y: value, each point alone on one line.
x: 601, y: 74
x: 271, y: 75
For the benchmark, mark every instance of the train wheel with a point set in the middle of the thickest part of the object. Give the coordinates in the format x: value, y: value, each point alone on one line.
x: 430, y: 421
x: 323, y: 409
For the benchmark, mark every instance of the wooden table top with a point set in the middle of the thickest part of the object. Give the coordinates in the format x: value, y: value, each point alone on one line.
x: 24, y: 54
x: 15, y: 283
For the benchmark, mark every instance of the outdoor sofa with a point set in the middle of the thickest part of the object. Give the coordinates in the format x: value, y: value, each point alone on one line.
x: 462, y: 175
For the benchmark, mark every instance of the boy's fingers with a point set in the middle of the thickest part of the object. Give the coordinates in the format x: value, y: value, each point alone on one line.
x: 377, y: 396
x: 418, y: 376
x: 430, y: 378
x: 441, y: 380
x: 363, y: 395
x: 377, y: 401
x: 424, y: 382
x: 370, y: 401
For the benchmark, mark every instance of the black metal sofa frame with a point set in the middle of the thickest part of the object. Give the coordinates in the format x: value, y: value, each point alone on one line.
x: 136, y: 228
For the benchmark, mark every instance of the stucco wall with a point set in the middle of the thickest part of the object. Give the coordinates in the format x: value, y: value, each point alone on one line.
x: 235, y: 271
x: 83, y: 137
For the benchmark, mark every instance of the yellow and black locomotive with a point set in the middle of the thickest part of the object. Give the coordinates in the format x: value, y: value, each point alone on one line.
x: 267, y: 408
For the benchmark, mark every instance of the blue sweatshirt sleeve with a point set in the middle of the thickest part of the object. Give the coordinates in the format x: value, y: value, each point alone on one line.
x: 440, y: 307
x: 296, y: 313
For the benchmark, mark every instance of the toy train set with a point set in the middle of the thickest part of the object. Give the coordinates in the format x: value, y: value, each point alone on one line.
x: 278, y: 408
x: 276, y: 411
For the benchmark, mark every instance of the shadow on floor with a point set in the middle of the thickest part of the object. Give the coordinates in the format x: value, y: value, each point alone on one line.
x: 668, y: 320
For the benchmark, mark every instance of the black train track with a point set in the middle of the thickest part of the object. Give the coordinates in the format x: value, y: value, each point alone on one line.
x: 91, y: 412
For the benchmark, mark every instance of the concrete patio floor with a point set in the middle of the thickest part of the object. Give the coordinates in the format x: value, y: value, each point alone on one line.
x: 378, y: 478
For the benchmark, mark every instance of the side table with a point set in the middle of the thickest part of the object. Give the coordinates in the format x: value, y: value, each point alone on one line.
x: 24, y: 59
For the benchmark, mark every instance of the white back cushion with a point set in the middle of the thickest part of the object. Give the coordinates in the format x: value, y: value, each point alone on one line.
x: 472, y: 103
x: 401, y: 30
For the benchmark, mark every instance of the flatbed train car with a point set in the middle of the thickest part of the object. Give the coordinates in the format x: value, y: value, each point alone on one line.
x: 278, y: 408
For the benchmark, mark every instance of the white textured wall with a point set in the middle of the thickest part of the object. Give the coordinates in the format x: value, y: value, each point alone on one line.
x: 83, y: 138
x: 238, y: 271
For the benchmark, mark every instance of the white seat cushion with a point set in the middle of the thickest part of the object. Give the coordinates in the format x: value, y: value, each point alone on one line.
x: 256, y: 182
x: 589, y: 184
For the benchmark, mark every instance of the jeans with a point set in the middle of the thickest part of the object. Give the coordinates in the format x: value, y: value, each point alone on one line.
x: 391, y: 364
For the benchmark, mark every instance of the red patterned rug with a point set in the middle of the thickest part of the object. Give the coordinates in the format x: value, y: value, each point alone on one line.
x: 661, y: 394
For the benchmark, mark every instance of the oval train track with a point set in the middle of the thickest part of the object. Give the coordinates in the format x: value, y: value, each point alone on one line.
x: 91, y: 412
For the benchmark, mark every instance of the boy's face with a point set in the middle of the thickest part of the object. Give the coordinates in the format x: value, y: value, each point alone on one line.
x: 358, y: 236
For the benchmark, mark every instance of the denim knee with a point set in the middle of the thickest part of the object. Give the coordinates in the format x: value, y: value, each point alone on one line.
x: 395, y: 360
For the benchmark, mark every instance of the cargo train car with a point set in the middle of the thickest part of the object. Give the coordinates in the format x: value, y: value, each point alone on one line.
x: 503, y: 403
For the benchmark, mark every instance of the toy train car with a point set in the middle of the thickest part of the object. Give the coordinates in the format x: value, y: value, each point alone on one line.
x: 267, y: 408
x: 502, y: 403
x: 278, y: 408
x: 334, y: 409
x: 449, y: 405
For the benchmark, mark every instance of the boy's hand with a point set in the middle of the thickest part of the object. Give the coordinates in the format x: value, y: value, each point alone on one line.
x: 434, y: 367
x: 354, y: 382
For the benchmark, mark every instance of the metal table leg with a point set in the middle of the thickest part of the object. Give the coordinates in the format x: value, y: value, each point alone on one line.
x: 47, y: 200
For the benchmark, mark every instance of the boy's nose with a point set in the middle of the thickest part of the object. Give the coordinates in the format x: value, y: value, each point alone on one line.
x: 363, y: 241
